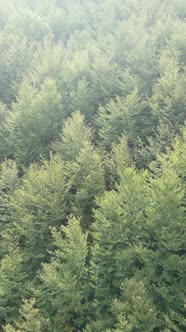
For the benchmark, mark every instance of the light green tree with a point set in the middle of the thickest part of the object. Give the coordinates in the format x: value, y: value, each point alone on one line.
x: 40, y: 202
x: 74, y: 137
x: 29, y: 321
x: 63, y: 293
x: 118, y: 239
x: 134, y: 309
x: 117, y: 118
x: 8, y: 183
x: 35, y: 123
x: 85, y: 164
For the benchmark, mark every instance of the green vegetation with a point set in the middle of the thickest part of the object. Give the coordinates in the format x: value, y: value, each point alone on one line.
x: 92, y: 165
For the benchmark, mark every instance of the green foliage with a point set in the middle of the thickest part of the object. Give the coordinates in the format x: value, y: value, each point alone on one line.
x: 3, y: 112
x: 92, y: 165
x: 47, y: 62
x: 118, y: 118
x: 64, y: 290
x: 168, y: 99
x: 117, y: 250
x: 8, y: 183
x: 87, y: 173
x: 16, y: 54
x: 39, y: 203
x: 12, y: 286
x: 74, y: 138
x: 139, y: 232
x: 8, y: 176
x: 35, y: 123
x: 88, y: 182
x: 134, y: 310
x: 29, y: 321
x: 27, y: 23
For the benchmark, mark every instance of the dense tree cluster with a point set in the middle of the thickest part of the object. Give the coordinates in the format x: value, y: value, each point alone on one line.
x: 92, y: 165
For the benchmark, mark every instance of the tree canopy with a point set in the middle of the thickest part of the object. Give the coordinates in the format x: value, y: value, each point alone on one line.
x: 92, y: 165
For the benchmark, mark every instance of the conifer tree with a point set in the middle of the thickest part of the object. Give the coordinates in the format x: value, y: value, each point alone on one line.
x: 134, y: 309
x: 117, y: 118
x: 165, y: 258
x: 8, y: 183
x: 40, y: 202
x: 29, y: 321
x: 87, y: 183
x: 12, y: 286
x: 16, y: 53
x: 118, y: 239
x: 34, y: 124
x: 63, y: 292
x: 74, y: 137
x: 85, y: 164
x: 168, y: 98
x: 3, y: 112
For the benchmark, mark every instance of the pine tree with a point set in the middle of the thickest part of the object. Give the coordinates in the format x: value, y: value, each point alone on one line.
x: 8, y: 183
x: 40, y: 202
x: 134, y: 310
x: 63, y: 292
x: 75, y: 136
x: 165, y: 263
x: 27, y: 23
x: 87, y: 182
x: 118, y: 239
x: 35, y: 123
x: 3, y: 112
x: 116, y: 161
x: 12, y: 286
x: 139, y: 232
x: 117, y: 118
x: 16, y: 53
x: 47, y: 62
x: 168, y: 98
x: 29, y: 321
x: 85, y: 164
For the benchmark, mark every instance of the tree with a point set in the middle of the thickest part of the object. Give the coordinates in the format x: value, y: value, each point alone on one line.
x: 168, y: 98
x: 75, y: 136
x: 165, y: 262
x: 116, y: 161
x: 30, y: 321
x: 3, y: 112
x: 16, y: 53
x: 35, y: 123
x: 40, y: 202
x: 63, y: 293
x: 138, y: 233
x: 8, y: 183
x: 47, y: 63
x: 12, y: 286
x: 119, y: 236
x: 134, y: 309
x: 117, y: 118
x: 27, y: 23
x: 87, y: 182
x: 85, y: 164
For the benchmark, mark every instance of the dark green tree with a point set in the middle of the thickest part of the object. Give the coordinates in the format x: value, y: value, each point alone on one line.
x: 12, y: 286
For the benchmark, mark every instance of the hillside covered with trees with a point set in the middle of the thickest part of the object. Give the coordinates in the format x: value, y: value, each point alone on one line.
x: 92, y: 165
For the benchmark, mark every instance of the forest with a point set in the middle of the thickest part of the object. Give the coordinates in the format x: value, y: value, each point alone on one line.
x: 92, y: 165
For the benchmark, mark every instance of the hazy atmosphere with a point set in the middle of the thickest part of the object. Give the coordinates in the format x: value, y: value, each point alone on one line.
x: 92, y: 165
